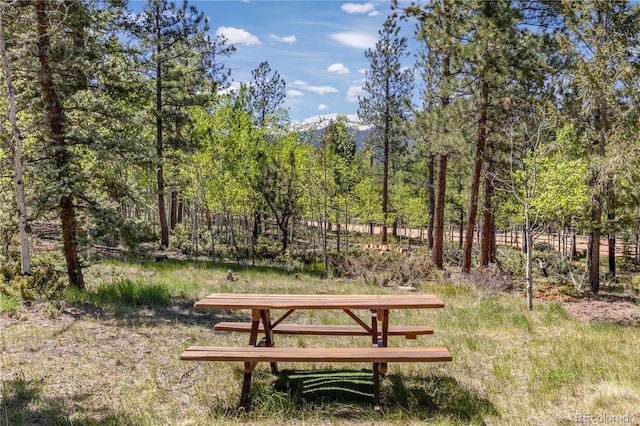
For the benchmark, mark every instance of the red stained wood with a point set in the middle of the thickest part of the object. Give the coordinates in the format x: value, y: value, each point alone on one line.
x: 409, y: 331
x: 313, y: 301
x: 266, y: 354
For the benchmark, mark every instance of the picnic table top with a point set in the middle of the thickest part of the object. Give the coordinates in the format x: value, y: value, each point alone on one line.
x: 318, y: 301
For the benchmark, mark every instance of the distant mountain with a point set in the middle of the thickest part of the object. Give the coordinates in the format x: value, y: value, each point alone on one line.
x: 318, y: 123
x: 321, y: 121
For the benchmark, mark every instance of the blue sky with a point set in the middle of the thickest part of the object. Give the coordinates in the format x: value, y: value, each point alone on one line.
x: 317, y: 47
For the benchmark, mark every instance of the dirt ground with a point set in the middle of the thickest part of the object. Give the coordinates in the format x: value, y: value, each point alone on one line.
x: 605, y: 307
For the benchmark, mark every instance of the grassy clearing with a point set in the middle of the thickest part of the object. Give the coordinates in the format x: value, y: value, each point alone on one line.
x: 110, y: 356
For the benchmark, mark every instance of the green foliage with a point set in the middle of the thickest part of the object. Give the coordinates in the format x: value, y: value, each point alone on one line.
x: 511, y: 261
x: 133, y: 293
x: 136, y: 231
x: 452, y: 254
x: 267, y: 93
x: 44, y: 284
x: 235, y: 157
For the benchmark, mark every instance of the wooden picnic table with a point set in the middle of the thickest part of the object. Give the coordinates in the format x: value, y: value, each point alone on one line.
x: 378, y: 329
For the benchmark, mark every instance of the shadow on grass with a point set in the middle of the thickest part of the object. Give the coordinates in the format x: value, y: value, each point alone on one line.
x: 22, y: 404
x: 420, y: 397
x: 174, y: 312
x: 440, y: 395
x: 325, y: 386
x: 277, y: 268
x: 130, y: 301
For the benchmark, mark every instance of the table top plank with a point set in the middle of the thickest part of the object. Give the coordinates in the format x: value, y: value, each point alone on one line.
x: 318, y: 301
x: 296, y: 354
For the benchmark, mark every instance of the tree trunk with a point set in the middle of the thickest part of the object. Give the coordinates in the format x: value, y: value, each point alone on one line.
x: 593, y: 248
x: 612, y: 248
x: 475, y: 180
x: 174, y: 209
x: 438, y: 214
x: 385, y: 190
x: 16, y: 153
x: 611, y: 215
x: 461, y: 229
x: 431, y: 201
x: 194, y: 227
x: 385, y: 180
x: 346, y: 227
x: 162, y: 213
x: 210, y: 229
x: 529, y: 261
x: 56, y: 117
x: 70, y: 242
x: 283, y: 225
x: 488, y: 242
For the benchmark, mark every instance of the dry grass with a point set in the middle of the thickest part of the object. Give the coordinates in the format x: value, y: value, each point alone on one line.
x: 111, y: 357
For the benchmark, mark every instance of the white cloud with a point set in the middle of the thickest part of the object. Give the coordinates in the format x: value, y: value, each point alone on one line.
x: 362, y: 70
x: 353, y: 92
x: 338, y: 69
x: 322, y: 107
x: 359, y: 8
x: 286, y: 39
x: 294, y: 93
x: 238, y: 36
x: 320, y: 90
x: 355, y: 39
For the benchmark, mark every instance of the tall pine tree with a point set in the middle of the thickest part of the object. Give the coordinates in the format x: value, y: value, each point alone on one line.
x: 385, y: 104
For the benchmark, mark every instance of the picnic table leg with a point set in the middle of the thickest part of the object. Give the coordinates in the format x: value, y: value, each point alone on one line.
x: 376, y: 387
x: 255, y: 326
x: 246, y: 387
x: 265, y: 314
x: 383, y: 316
x: 376, y: 366
x: 248, y: 366
x: 374, y: 328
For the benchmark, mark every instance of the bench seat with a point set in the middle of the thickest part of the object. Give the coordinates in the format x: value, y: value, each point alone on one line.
x: 408, y: 331
x: 254, y: 354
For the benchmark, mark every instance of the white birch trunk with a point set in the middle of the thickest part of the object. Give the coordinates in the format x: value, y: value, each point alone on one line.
x: 16, y: 148
x: 529, y: 261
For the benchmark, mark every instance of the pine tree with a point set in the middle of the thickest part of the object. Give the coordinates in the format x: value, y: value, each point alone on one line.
x: 176, y: 56
x: 601, y: 37
x: 267, y: 93
x: 385, y: 105
x: 441, y: 26
x: 57, y: 131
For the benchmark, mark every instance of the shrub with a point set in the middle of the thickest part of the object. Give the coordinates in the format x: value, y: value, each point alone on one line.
x: 44, y: 283
x: 134, y: 232
x: 452, y: 254
x: 511, y: 261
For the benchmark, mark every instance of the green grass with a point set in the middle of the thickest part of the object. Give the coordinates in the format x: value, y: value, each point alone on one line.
x: 9, y: 305
x: 111, y: 356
